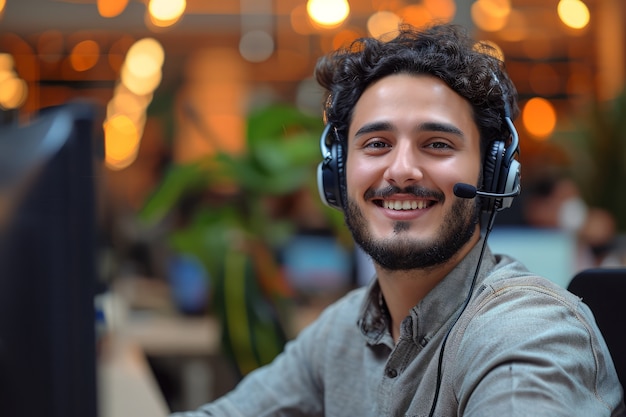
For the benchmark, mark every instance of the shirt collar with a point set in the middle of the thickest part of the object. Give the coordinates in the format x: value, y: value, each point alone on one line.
x: 435, y: 309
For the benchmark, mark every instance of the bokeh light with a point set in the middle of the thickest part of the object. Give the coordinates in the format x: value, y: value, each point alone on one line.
x: 491, y: 15
x: 6, y: 62
x: 256, y: 46
x: 328, y: 13
x: 111, y: 8
x: 573, y: 13
x: 164, y: 13
x: 383, y: 25
x: 121, y: 141
x: 539, y: 118
x: 84, y: 55
x: 13, y: 89
x: 140, y: 75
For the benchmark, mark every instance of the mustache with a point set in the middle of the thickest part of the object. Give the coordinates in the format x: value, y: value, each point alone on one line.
x: 414, y: 190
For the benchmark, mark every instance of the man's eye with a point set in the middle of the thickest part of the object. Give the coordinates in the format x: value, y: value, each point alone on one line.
x: 439, y: 145
x: 376, y: 144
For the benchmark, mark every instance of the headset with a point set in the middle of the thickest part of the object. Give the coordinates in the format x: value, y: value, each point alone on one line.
x: 501, y: 170
x: 331, y: 178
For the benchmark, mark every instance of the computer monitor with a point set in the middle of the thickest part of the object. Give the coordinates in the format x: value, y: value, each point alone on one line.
x: 47, y: 265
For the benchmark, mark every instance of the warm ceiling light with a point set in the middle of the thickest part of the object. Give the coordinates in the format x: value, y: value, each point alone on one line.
x: 490, y: 15
x: 574, y: 13
x: 140, y: 85
x: 145, y: 57
x: 13, y: 92
x: 328, y: 13
x: 84, y: 55
x: 121, y: 142
x: 111, y: 8
x: 166, y: 10
x: 383, y: 25
x: 141, y: 72
x: 539, y: 118
x: 6, y: 62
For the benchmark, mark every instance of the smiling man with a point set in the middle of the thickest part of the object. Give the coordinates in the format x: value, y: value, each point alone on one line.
x: 417, y: 127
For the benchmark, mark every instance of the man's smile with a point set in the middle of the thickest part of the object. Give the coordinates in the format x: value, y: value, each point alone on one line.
x: 404, y: 204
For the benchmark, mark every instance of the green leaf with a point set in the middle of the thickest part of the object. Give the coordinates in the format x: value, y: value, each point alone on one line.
x: 178, y: 180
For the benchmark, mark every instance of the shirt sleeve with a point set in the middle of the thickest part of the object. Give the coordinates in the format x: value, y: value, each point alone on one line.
x: 534, y: 351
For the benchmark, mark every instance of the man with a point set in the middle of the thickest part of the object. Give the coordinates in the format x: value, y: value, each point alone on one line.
x: 447, y: 328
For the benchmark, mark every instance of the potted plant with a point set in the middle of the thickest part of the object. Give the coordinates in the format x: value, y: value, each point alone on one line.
x: 224, y: 207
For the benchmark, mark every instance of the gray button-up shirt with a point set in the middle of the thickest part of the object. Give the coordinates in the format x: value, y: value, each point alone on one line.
x: 522, y: 347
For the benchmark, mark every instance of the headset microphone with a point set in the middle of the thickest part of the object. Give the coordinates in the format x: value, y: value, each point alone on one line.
x: 463, y: 190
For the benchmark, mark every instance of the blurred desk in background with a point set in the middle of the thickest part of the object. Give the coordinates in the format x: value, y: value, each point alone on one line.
x: 174, y: 335
x: 142, y: 328
x: 150, y: 344
x: 126, y: 385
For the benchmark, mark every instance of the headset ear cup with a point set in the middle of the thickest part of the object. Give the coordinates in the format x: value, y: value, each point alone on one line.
x: 340, y: 179
x: 330, y: 172
x: 491, y: 166
x: 491, y: 171
x: 513, y: 178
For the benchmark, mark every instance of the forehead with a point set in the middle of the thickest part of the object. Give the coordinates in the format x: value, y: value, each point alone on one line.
x: 408, y: 98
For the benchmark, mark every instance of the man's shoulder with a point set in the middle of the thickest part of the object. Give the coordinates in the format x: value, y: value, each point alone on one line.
x: 512, y: 291
x: 508, y: 274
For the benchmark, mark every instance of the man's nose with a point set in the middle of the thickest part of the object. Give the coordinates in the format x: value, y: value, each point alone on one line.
x: 404, y: 166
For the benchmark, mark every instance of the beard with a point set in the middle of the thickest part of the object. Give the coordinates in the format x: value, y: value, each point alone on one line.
x: 402, y: 252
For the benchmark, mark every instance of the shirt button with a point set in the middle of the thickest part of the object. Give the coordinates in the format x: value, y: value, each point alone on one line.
x: 391, y: 373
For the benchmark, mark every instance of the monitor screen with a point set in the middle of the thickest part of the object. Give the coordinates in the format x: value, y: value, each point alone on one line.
x: 47, y: 265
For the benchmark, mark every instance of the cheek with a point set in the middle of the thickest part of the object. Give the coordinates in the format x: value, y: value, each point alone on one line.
x: 359, y: 175
x: 463, y: 171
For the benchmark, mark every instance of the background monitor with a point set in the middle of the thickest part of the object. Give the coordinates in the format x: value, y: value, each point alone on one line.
x: 47, y: 265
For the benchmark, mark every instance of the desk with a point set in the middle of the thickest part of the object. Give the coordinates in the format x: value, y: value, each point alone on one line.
x: 126, y: 386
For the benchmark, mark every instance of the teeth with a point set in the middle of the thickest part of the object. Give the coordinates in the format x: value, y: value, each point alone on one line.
x: 404, y: 205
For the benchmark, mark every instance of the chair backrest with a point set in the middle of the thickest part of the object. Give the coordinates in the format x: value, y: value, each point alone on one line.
x: 604, y: 291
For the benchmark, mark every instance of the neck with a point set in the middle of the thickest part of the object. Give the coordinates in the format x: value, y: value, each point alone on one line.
x: 403, y: 290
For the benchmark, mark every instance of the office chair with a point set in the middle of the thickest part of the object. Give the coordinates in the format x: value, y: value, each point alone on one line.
x: 604, y: 291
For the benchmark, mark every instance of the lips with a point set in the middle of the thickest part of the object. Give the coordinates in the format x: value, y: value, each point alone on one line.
x: 413, y: 198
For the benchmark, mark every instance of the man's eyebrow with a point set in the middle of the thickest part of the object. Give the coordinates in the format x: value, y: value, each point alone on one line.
x: 422, y: 127
x: 439, y: 127
x: 374, y: 127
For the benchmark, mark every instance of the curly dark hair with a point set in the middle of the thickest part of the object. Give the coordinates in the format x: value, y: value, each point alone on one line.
x: 445, y: 51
